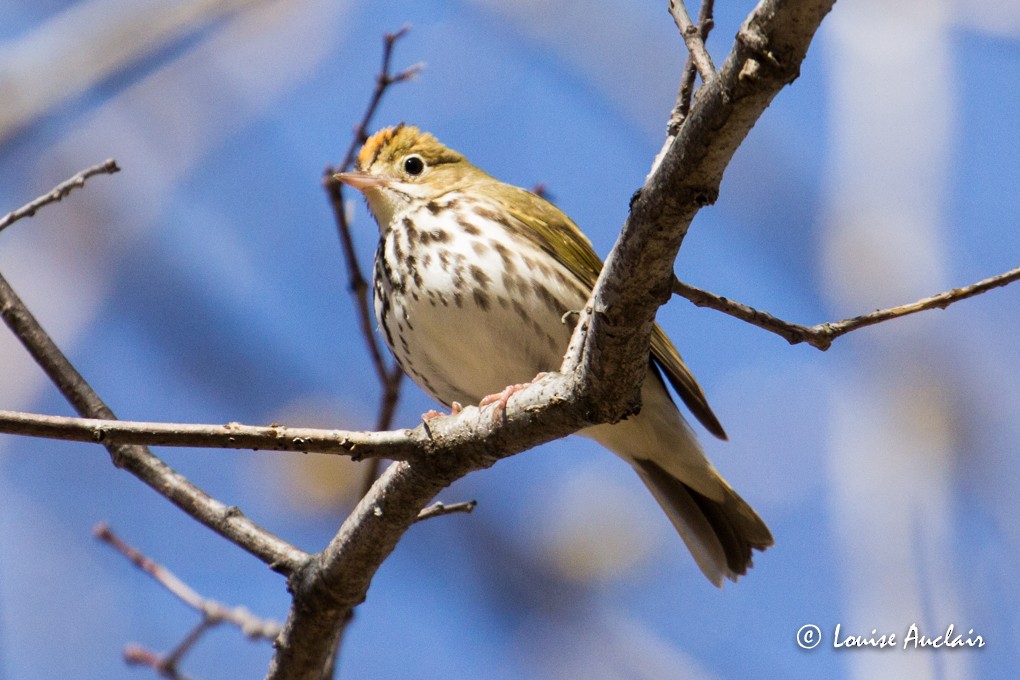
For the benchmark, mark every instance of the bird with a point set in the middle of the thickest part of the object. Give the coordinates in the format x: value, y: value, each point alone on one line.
x: 473, y: 281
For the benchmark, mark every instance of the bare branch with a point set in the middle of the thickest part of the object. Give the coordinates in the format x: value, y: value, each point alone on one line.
x: 440, y: 509
x: 686, y: 91
x: 225, y: 520
x: 694, y: 39
x: 394, y: 445
x: 383, y: 80
x: 794, y: 333
x: 173, y: 659
x: 390, y: 376
x: 58, y: 192
x: 822, y: 335
x: 212, y: 612
x: 336, y: 581
x: 166, y: 665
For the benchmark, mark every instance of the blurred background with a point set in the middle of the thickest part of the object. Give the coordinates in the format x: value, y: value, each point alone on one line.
x: 204, y: 283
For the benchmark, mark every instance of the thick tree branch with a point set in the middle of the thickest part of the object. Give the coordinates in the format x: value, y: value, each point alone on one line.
x: 823, y: 334
x: 607, y: 362
x: 338, y: 579
x: 58, y: 192
x: 638, y: 274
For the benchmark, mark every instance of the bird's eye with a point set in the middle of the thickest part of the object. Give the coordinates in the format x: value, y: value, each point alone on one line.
x: 414, y: 165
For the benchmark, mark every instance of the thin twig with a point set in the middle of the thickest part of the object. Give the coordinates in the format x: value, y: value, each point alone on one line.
x: 394, y: 445
x: 58, y: 192
x: 212, y: 612
x: 822, y: 335
x: 173, y: 659
x: 684, y: 95
x: 136, y: 655
x: 389, y: 376
x: 383, y: 80
x: 686, y: 91
x: 439, y: 509
x: 334, y: 189
x: 693, y: 38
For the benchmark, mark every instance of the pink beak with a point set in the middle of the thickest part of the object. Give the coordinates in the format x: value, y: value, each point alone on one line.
x: 360, y: 180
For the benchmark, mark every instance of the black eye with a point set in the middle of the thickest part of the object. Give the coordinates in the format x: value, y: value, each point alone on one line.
x: 414, y: 165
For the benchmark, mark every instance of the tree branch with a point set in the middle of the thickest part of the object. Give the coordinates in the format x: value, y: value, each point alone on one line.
x: 389, y: 377
x: 822, y: 335
x: 440, y: 509
x: 394, y: 445
x: 610, y: 345
x: 212, y: 612
x: 166, y: 665
x: 693, y: 38
x: 686, y: 90
x: 225, y: 520
x: 338, y: 578
x: 58, y: 192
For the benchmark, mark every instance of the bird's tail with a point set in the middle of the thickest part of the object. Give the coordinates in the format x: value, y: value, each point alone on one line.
x: 720, y: 529
x: 720, y: 534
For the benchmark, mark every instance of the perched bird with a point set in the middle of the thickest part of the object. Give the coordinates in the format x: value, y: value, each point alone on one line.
x: 472, y: 280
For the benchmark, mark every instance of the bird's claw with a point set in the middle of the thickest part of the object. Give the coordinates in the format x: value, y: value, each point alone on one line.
x: 432, y: 414
x: 501, y: 398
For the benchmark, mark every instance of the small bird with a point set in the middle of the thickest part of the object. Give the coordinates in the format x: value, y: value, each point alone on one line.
x: 472, y: 281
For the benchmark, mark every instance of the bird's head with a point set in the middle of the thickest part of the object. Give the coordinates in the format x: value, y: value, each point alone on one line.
x: 401, y: 166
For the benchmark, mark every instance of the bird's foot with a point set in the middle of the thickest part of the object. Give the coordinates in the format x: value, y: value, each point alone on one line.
x: 501, y: 398
x: 431, y: 414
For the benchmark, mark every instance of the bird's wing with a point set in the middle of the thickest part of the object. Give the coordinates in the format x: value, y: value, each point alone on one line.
x: 550, y: 228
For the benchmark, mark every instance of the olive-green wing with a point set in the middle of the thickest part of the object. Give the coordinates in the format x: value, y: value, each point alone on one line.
x: 549, y: 228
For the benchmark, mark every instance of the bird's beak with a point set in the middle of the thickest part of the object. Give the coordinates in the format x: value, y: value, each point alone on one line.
x: 360, y: 180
